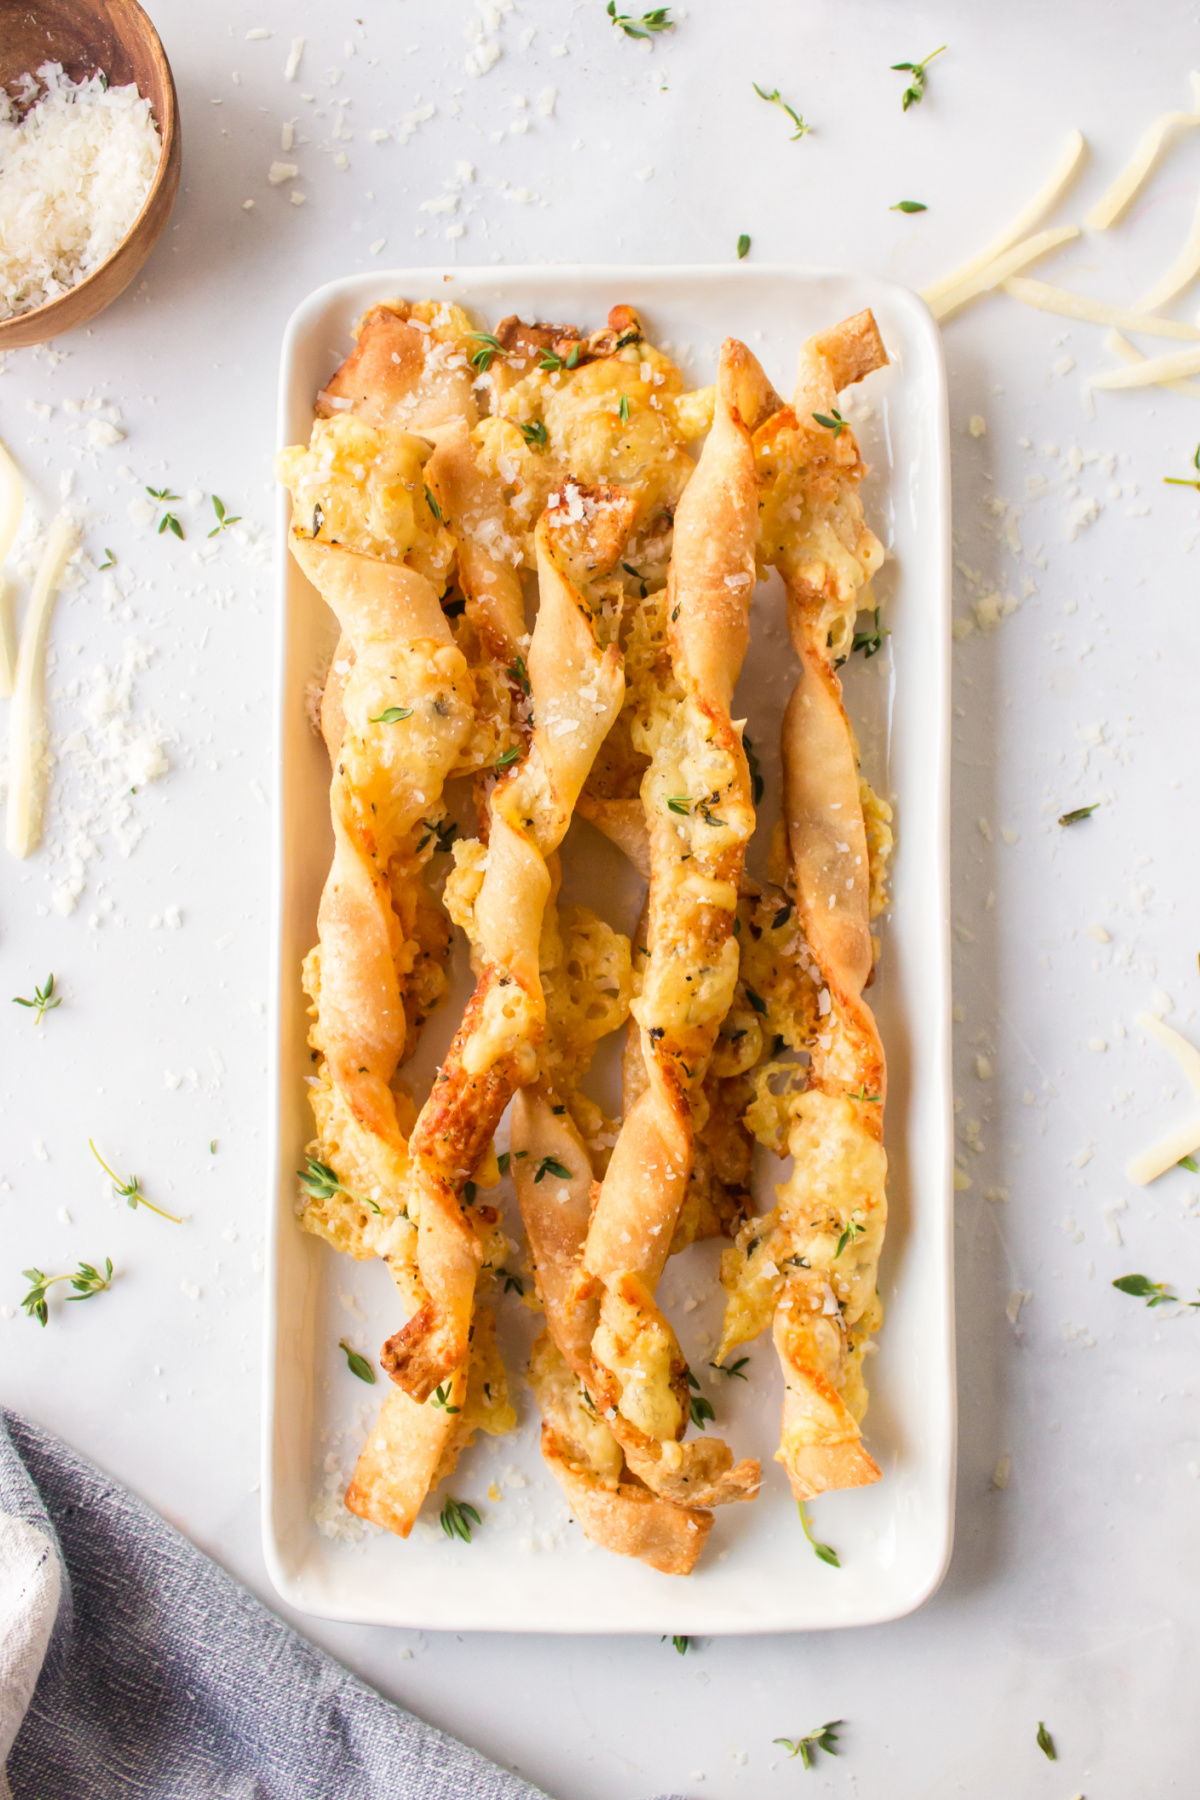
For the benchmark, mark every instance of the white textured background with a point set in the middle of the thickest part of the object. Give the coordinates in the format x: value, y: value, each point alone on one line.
x: 1072, y: 1595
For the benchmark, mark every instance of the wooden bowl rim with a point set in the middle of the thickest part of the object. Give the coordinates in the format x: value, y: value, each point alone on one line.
x: 168, y: 132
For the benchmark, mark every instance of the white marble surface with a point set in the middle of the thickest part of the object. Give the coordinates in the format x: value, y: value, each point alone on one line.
x: 1071, y: 1597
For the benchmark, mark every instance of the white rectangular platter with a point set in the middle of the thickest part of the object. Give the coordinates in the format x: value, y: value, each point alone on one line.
x: 528, y: 1567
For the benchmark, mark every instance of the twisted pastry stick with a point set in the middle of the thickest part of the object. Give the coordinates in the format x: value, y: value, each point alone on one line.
x: 576, y: 692
x: 816, y: 1255
x: 697, y: 800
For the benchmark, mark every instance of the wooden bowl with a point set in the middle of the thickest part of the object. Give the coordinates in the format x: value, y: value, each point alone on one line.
x: 86, y: 35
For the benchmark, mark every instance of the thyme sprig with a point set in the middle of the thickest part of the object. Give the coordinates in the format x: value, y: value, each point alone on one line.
x: 775, y: 98
x: 323, y: 1182
x: 806, y: 1748
x: 86, y: 1281
x: 169, y: 520
x: 457, y: 1518
x: 869, y: 641
x: 824, y: 1552
x: 914, y: 93
x: 488, y: 348
x: 511, y: 1281
x: 657, y: 19
x: 441, y: 1399
x: 130, y: 1191
x: 1080, y: 812
x: 700, y: 1408
x: 224, y: 519
x: 44, y: 999
x: 1192, y: 481
x: 735, y: 1370
x: 854, y: 1230
x: 520, y: 674
x: 1154, y: 1293
x: 551, y: 362
x: 832, y: 421
x: 550, y: 1165
x: 358, y: 1365
x: 535, y: 434
x: 110, y: 560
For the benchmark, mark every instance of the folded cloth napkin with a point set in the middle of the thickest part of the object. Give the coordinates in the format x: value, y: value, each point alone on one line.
x: 131, y: 1665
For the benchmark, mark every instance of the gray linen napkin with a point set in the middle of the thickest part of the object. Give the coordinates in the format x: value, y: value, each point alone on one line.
x: 161, y: 1678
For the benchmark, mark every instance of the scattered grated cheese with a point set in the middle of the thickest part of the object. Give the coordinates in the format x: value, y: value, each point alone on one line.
x: 75, y: 170
x: 12, y: 504
x: 1094, y: 312
x: 1182, y: 272
x: 1152, y: 370
x: 1128, y: 353
x: 1148, y: 1165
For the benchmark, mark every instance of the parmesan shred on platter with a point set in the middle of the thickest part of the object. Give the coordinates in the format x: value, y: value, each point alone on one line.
x: 76, y: 166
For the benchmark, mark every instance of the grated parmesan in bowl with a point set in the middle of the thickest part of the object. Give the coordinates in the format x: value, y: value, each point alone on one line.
x: 75, y: 171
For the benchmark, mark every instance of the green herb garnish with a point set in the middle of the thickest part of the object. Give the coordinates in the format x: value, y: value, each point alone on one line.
x: 1045, y: 1743
x: 657, y: 19
x: 441, y: 1399
x: 511, y: 1281
x: 909, y: 206
x: 392, y: 715
x: 735, y: 1370
x: 1154, y: 1293
x: 44, y: 999
x: 323, y: 1182
x: 457, y: 1519
x: 869, y: 641
x: 489, y: 347
x: 549, y: 1165
x: 1190, y: 1164
x: 775, y: 98
x: 782, y: 916
x: 682, y: 1644
x: 551, y: 362
x: 86, y: 1281
x: 520, y: 674
x: 623, y: 409
x: 358, y: 1365
x: 824, y: 1738
x: 535, y: 435
x: 834, y: 423
x: 757, y: 785
x: 503, y: 1160
x: 1081, y: 812
x: 757, y: 1002
x: 854, y: 1230
x: 224, y: 519
x: 914, y: 93
x: 507, y: 756
x: 168, y: 522
x: 110, y: 560
x: 679, y: 803
x: 1173, y: 480
x: 129, y: 1191
x: 743, y: 247
x: 701, y: 1411
x: 824, y: 1552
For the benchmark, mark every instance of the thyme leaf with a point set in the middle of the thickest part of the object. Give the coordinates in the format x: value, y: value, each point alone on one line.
x: 535, y: 435
x: 1154, y: 1293
x: 836, y: 423
x: 520, y: 674
x: 488, y: 347
x: 358, y: 1365
x: 806, y: 1748
x: 441, y: 1399
x: 224, y: 519
x: 507, y: 757
x: 432, y: 504
x: 392, y: 715
x: 854, y: 1230
x: 657, y: 19
x: 1045, y: 1743
x: 1081, y: 812
x: 1171, y: 480
x: 110, y: 559
x: 757, y: 1002
x: 682, y: 1644
x: 623, y: 409
x: 909, y: 206
x: 823, y: 1552
x: 322, y: 1182
x: 511, y: 1281
x: 549, y: 1165
x: 130, y: 1191
x: 775, y: 98
x: 735, y: 1370
x: 86, y: 1281
x: 44, y: 999
x: 914, y: 93
x: 679, y: 803
x: 757, y: 785
x: 701, y: 1411
x: 743, y: 246
x: 457, y: 1518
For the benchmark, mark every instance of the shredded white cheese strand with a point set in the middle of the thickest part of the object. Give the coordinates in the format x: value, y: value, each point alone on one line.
x: 1150, y: 1164
x: 1093, y: 312
x: 1063, y: 174
x: 1182, y: 272
x: 994, y: 273
x: 12, y: 504
x: 1146, y: 374
x: 26, y: 717
x: 1121, y: 346
x: 1111, y: 205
